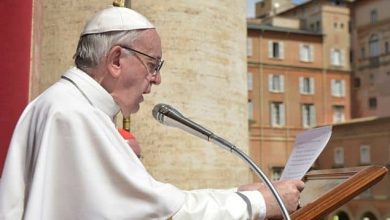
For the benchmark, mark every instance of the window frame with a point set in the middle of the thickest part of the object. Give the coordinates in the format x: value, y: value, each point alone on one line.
x: 276, y: 83
x: 337, y: 57
x: 306, y: 85
x: 338, y: 156
x: 272, y: 46
x: 249, y: 80
x: 365, y: 154
x: 277, y: 120
x: 338, y: 87
x: 336, y: 112
x: 308, y: 114
x: 306, y: 52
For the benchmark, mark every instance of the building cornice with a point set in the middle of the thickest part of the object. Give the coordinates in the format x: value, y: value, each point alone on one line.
x: 264, y: 28
x: 300, y: 68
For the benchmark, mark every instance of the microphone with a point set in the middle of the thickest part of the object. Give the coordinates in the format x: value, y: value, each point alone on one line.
x: 167, y: 115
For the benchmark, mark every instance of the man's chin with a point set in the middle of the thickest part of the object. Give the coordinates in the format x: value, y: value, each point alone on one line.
x: 135, y: 109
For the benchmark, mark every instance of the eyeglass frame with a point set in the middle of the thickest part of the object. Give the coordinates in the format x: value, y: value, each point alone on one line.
x: 157, y: 67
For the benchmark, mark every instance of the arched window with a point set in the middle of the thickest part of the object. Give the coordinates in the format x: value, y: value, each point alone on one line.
x: 374, y: 45
x: 341, y: 216
x: 368, y: 216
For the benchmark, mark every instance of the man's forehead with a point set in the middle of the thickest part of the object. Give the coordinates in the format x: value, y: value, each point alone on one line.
x: 149, y: 41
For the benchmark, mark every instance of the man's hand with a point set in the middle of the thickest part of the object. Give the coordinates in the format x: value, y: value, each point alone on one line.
x: 289, y: 191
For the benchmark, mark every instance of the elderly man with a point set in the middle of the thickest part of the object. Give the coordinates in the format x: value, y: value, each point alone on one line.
x: 67, y: 161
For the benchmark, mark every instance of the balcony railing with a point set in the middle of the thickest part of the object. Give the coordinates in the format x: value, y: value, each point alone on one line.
x: 374, y: 62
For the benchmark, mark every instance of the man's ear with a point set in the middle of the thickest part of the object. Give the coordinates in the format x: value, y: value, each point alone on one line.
x: 113, y: 61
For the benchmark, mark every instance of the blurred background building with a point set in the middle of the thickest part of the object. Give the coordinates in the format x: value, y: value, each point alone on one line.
x: 316, y: 63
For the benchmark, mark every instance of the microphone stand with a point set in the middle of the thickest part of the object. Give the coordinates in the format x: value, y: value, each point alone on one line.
x: 233, y: 149
x: 167, y: 115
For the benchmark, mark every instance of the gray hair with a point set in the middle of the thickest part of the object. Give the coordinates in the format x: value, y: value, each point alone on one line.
x: 93, y: 47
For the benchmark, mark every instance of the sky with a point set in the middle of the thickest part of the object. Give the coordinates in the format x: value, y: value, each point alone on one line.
x: 250, y: 6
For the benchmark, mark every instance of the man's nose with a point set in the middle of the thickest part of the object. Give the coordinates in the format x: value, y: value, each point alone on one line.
x: 156, y: 79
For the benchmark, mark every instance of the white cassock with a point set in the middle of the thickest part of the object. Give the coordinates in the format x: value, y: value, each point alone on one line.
x: 67, y: 161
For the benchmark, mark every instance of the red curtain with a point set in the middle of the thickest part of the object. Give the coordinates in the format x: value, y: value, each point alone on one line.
x: 15, y: 47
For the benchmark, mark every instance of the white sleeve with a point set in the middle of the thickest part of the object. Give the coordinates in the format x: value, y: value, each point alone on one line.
x: 221, y: 204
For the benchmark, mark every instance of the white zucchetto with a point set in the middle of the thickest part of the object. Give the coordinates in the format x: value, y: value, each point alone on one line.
x: 116, y: 19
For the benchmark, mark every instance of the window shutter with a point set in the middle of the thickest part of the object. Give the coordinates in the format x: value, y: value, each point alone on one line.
x: 250, y: 110
x: 250, y: 81
x: 342, y: 57
x: 304, y: 118
x: 273, y: 115
x: 270, y: 82
x: 342, y: 88
x: 313, y: 120
x: 249, y: 48
x: 282, y: 114
x: 333, y: 87
x: 270, y: 49
x: 311, y: 53
x: 281, y: 50
x: 301, y: 85
x: 281, y: 83
x: 312, y: 85
x: 301, y: 53
x: 332, y: 56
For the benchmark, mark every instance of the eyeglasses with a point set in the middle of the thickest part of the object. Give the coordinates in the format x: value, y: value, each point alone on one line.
x: 156, y: 67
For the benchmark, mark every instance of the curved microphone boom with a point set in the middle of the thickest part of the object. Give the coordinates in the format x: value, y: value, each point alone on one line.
x: 167, y: 115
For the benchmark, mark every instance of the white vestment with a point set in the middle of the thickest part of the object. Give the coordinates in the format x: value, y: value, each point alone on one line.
x: 67, y: 161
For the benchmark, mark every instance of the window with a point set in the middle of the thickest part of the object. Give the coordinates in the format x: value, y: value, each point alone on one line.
x: 249, y: 47
x: 362, y: 53
x: 275, y: 83
x: 349, y: 26
x: 374, y: 46
x: 262, y: 4
x: 387, y: 49
x: 277, y: 114
x: 351, y: 56
x: 250, y: 81
x: 308, y: 115
x: 306, y: 52
x: 371, y: 78
x: 318, y: 25
x: 372, y: 102
x: 250, y: 110
x: 338, y: 114
x: 338, y: 88
x: 365, y: 155
x: 339, y: 156
x: 337, y: 57
x: 275, y: 49
x: 306, y: 85
x: 356, y: 82
x: 276, y: 173
x: 374, y: 16
x: 336, y: 2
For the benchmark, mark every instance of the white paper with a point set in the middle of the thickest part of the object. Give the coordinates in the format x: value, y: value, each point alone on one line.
x: 308, y: 146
